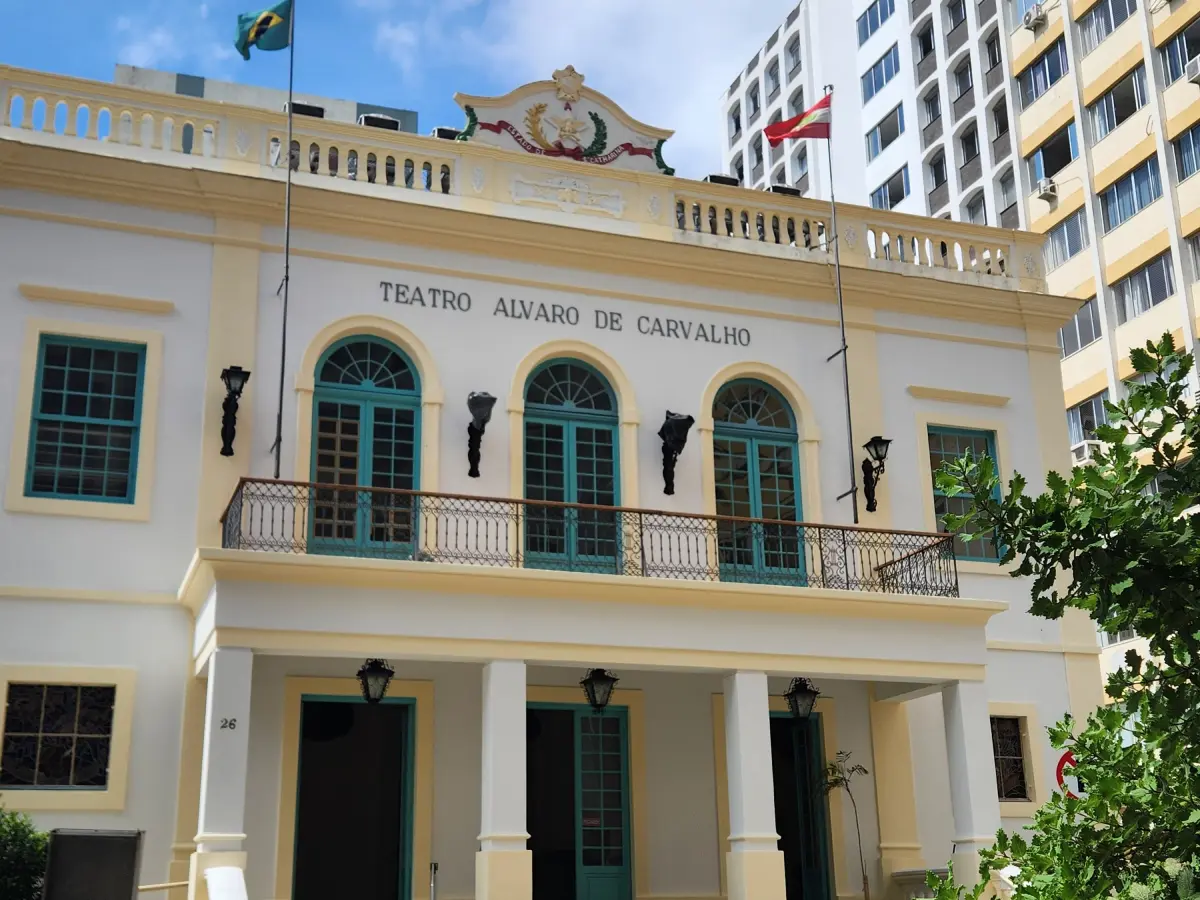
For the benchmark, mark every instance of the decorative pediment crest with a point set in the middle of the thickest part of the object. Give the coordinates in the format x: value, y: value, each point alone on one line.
x: 563, y: 118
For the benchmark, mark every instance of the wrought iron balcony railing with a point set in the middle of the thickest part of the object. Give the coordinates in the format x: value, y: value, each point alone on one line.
x: 303, y: 518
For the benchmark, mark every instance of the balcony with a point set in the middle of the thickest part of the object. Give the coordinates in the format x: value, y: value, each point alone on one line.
x: 926, y: 67
x: 964, y: 103
x: 1001, y: 146
x: 371, y: 523
x: 993, y: 78
x: 931, y: 133
x: 917, y: 7
x: 938, y: 198
x: 984, y: 11
x: 969, y: 172
x: 956, y: 38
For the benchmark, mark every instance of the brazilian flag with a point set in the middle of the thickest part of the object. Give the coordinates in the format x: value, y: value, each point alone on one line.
x: 266, y: 30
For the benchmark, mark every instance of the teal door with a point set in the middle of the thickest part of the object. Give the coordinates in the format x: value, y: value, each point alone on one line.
x: 366, y: 433
x: 572, y: 745
x: 755, y: 459
x: 801, y: 810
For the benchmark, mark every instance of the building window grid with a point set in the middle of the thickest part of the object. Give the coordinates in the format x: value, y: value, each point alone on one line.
x: 1084, y: 417
x: 956, y: 12
x: 937, y: 170
x: 86, y: 424
x: 735, y: 122
x: 963, y: 79
x: 1082, y: 331
x: 1143, y: 289
x: 1130, y: 194
x: 885, y: 196
x: 875, y: 141
x: 969, y: 143
x: 1111, y: 638
x: 1187, y: 154
x: 977, y: 210
x: 1147, y: 378
x: 925, y: 44
x: 1102, y: 20
x: 1044, y: 73
x: 1105, y: 112
x: 56, y: 736
x: 1180, y: 50
x: 792, y: 54
x: 883, y: 71
x: 876, y: 14
x: 1066, y: 239
x: 1040, y: 167
x: 992, y: 47
x: 933, y: 107
x: 1008, y: 752
x: 1008, y: 190
x: 773, y: 82
x: 948, y: 445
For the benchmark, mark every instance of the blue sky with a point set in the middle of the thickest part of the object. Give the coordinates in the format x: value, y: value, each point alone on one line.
x: 666, y: 61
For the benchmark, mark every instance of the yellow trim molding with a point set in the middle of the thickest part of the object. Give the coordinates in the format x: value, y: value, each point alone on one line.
x: 628, y: 418
x: 212, y: 564
x: 1063, y: 207
x: 1035, y: 759
x: 1129, y: 160
x: 1142, y: 253
x: 139, y: 511
x: 1089, y: 387
x: 895, y: 791
x: 1182, y: 120
x: 91, y: 298
x: 806, y: 426
x: 295, y: 688
x: 1079, y: 7
x: 634, y: 702
x: 837, y: 832
x: 1167, y: 28
x: 61, y: 800
x: 305, y: 643
x: 75, y: 595
x: 1057, y: 121
x: 1053, y: 32
x: 1112, y: 73
x: 187, y: 803
x: 431, y: 389
x: 946, y: 395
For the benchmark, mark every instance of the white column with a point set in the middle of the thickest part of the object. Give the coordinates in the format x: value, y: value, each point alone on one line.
x: 755, y: 864
x: 973, y: 797
x: 221, y: 828
x: 503, y: 865
x: 226, y: 751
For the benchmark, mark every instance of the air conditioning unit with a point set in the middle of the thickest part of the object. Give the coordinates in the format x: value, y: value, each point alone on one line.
x: 446, y: 133
x: 1085, y: 451
x: 1047, y: 189
x: 377, y: 120
x: 729, y: 180
x: 1192, y: 70
x: 306, y: 109
x: 1035, y: 17
x: 785, y: 189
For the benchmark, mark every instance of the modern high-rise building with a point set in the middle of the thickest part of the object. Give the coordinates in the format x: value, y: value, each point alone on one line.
x: 1109, y: 128
x: 921, y: 110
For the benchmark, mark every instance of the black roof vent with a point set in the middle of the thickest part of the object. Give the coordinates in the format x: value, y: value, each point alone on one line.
x: 446, y: 134
x: 375, y: 120
x: 784, y: 189
x: 722, y: 179
x: 306, y: 109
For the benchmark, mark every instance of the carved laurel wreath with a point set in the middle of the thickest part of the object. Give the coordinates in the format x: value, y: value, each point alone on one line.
x: 533, y: 121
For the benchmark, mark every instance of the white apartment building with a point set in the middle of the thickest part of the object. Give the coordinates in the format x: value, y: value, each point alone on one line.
x: 921, y: 108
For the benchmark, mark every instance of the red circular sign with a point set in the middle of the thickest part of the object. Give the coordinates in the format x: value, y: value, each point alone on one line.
x: 1068, y: 783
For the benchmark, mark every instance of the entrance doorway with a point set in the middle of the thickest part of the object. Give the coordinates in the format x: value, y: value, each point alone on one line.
x: 578, y: 802
x: 798, y: 766
x: 354, y: 799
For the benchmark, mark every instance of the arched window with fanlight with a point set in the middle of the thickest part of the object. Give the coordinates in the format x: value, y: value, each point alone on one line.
x: 366, y: 441
x: 571, y: 458
x: 757, y: 481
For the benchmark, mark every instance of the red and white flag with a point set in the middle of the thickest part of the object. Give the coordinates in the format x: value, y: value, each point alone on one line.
x: 814, y: 122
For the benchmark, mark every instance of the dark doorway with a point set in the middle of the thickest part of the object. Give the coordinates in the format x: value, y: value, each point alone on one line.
x: 352, y: 803
x: 550, y: 792
x: 798, y: 763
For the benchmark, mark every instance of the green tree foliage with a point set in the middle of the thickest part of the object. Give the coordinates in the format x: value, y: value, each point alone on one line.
x: 1117, y: 539
x: 22, y: 857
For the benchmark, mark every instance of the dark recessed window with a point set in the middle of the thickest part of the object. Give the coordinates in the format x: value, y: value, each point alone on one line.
x: 56, y: 736
x: 1008, y: 752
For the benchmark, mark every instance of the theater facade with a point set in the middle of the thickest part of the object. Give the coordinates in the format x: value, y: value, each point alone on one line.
x: 182, y: 625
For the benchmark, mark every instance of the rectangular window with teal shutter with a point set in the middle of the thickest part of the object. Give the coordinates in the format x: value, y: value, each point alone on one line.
x: 948, y: 445
x: 87, y: 410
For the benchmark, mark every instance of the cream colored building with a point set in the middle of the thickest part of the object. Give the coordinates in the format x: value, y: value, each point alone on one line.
x: 180, y: 631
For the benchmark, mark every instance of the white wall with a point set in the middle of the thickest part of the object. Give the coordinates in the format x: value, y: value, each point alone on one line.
x: 153, y: 640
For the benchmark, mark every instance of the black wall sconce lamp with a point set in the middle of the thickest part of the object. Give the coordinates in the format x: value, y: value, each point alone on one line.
x: 674, y: 434
x: 801, y: 697
x: 374, y: 676
x: 480, y: 406
x: 235, y: 378
x: 872, y: 468
x: 598, y: 686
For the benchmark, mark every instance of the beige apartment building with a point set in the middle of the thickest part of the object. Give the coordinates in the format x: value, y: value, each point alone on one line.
x: 1109, y: 125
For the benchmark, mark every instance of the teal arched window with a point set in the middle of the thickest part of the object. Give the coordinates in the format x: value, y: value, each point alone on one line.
x: 570, y: 457
x: 755, y: 457
x: 366, y: 434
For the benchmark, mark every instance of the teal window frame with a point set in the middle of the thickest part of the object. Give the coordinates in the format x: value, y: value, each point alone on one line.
x: 87, y: 422
x: 754, y: 436
x: 574, y: 523
x: 583, y: 872
x: 961, y: 549
x: 368, y: 506
x: 410, y: 760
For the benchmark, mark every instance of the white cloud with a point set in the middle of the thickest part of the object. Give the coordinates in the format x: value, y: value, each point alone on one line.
x: 149, y: 49
x: 175, y: 35
x: 667, y: 62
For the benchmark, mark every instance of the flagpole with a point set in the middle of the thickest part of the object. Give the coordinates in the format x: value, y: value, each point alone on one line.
x: 287, y: 234
x: 837, y: 268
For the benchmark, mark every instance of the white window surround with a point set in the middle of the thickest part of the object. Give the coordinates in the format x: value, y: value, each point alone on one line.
x: 59, y: 799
